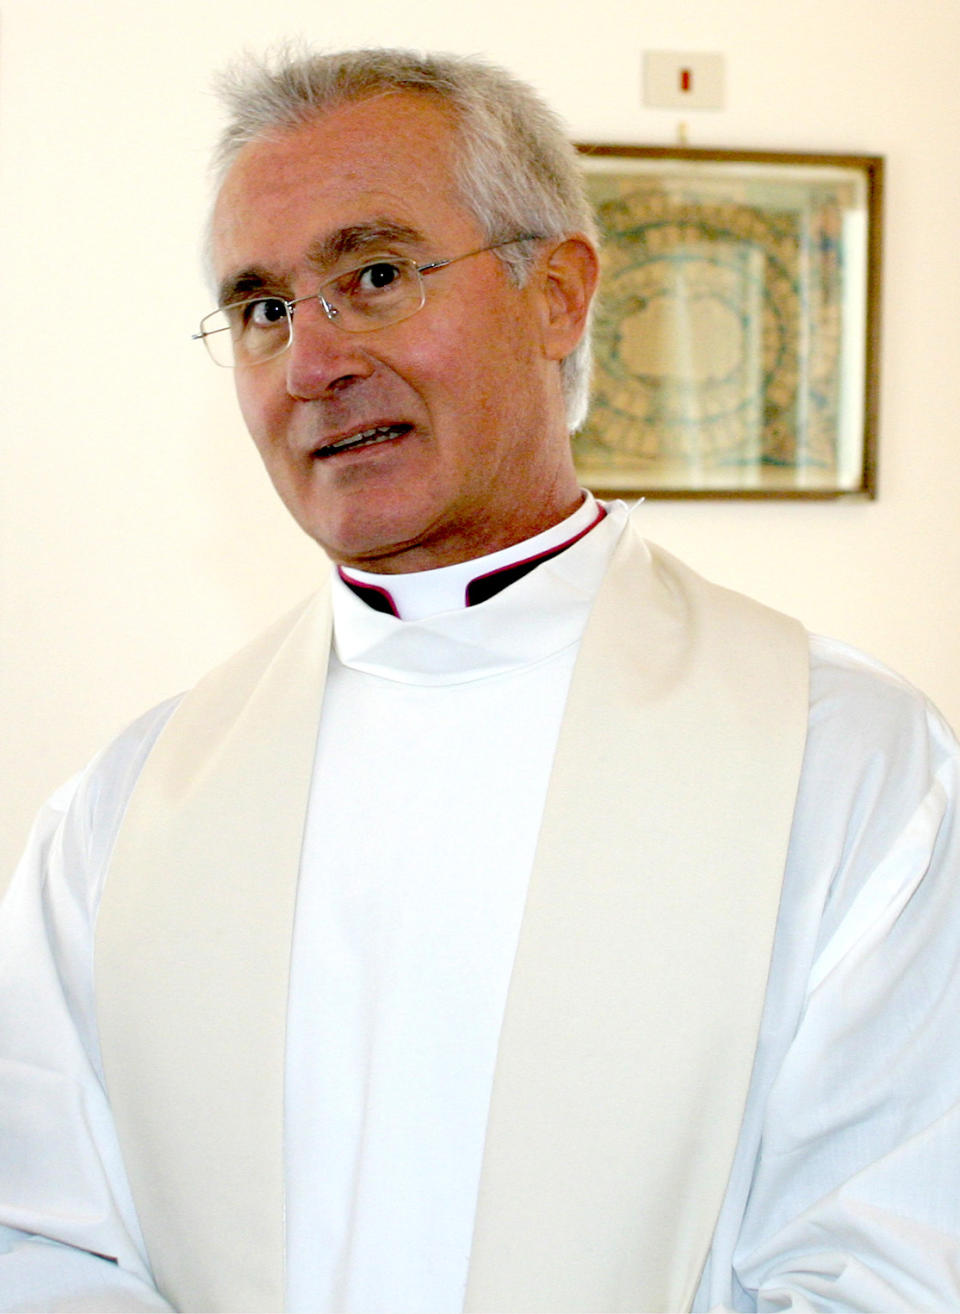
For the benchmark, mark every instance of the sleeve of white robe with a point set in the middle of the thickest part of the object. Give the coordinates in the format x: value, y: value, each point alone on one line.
x: 853, y: 1201
x: 69, y: 1238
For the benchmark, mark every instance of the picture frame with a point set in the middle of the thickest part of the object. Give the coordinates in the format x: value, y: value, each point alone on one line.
x: 737, y: 330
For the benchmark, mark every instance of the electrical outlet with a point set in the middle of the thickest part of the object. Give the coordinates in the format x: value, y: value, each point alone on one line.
x: 672, y: 80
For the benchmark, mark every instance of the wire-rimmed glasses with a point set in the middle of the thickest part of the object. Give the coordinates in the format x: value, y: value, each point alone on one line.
x: 383, y: 290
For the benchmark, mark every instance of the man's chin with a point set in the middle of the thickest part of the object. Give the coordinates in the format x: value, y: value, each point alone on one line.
x: 383, y: 548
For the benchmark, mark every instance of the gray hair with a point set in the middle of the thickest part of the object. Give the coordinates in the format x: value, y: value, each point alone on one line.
x: 517, y: 171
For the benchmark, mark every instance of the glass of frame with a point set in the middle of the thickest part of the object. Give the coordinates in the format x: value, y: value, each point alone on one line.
x: 737, y: 328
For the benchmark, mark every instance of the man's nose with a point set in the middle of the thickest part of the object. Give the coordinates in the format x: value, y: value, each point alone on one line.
x: 321, y: 357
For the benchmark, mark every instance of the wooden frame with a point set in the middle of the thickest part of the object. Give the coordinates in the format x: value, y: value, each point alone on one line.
x: 736, y: 341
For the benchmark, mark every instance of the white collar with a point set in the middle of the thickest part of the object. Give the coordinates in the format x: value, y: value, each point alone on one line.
x: 421, y: 593
x: 541, y: 614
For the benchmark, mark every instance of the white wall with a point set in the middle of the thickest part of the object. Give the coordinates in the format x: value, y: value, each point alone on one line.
x: 140, y: 542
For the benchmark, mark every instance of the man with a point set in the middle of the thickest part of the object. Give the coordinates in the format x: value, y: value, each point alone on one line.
x: 524, y: 923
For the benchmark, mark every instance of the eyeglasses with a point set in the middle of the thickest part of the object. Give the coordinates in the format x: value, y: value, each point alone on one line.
x: 382, y: 291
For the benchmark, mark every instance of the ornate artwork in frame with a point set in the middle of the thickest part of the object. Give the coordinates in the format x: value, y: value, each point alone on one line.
x: 737, y: 331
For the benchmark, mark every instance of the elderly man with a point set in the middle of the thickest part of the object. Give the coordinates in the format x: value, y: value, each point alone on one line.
x: 524, y: 923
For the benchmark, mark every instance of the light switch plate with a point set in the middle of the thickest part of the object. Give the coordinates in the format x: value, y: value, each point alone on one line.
x: 678, y: 80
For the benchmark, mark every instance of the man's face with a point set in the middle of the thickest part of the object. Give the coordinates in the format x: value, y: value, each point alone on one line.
x: 476, y: 454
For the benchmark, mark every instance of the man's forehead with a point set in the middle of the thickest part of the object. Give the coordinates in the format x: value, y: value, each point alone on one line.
x: 373, y: 170
x: 363, y: 141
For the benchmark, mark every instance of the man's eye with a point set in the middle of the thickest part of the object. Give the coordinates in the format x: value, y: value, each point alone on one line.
x: 265, y: 314
x: 381, y: 274
x: 374, y: 282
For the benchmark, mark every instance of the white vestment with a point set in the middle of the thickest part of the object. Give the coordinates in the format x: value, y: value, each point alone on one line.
x: 842, y: 1190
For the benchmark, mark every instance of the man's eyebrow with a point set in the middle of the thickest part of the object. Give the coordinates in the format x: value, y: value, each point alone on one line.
x: 354, y: 240
x: 245, y: 284
x: 359, y: 240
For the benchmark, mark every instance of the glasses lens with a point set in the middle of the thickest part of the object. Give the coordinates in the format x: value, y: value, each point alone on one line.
x: 378, y: 293
x: 247, y: 332
x: 375, y: 294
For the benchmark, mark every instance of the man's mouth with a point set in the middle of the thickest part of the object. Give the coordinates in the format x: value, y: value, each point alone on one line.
x: 381, y: 433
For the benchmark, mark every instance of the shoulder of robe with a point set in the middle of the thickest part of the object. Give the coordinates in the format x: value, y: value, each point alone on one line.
x: 878, y: 800
x: 102, y: 791
x: 856, y: 699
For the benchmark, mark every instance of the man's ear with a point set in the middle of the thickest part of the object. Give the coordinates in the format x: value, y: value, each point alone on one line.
x: 569, y: 275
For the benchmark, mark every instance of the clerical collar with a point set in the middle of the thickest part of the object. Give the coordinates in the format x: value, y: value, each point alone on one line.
x: 538, y: 617
x: 418, y: 594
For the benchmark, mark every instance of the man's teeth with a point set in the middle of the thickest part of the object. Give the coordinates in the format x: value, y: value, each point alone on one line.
x: 382, y: 434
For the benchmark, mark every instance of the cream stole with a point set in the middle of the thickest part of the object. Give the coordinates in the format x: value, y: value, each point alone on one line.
x: 636, y: 995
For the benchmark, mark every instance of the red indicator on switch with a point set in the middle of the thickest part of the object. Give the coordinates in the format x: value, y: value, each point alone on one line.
x: 686, y: 79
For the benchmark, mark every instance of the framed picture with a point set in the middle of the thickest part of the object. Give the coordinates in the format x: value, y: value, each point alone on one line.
x: 738, y: 323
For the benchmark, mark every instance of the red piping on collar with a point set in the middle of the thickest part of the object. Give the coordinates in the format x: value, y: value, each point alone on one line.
x: 374, y: 595
x: 517, y: 569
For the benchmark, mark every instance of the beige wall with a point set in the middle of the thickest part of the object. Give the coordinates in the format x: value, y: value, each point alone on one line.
x: 140, y: 542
